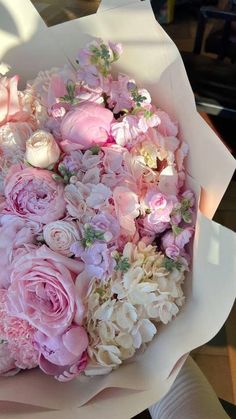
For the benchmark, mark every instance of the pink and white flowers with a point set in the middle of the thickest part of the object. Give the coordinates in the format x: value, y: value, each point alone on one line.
x: 95, y: 219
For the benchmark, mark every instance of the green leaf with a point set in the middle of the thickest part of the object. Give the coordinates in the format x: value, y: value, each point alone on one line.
x: 170, y: 264
x: 122, y: 264
x: 187, y: 217
x: 57, y: 178
x: 176, y: 230
x: 95, y: 149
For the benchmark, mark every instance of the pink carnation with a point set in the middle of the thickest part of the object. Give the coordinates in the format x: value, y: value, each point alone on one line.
x: 19, y: 337
x: 34, y: 194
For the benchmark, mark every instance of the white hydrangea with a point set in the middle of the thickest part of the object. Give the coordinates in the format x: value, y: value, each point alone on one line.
x: 123, y: 312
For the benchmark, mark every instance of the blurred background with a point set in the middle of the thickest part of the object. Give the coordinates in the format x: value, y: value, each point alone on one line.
x: 205, y: 33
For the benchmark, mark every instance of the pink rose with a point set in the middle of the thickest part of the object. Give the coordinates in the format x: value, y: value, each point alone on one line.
x: 63, y: 356
x: 10, y: 106
x: 84, y: 126
x: 34, y: 194
x: 15, y: 233
x: 42, y: 291
x: 167, y: 127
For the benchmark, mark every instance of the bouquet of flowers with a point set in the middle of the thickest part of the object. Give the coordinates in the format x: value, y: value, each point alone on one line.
x: 95, y: 218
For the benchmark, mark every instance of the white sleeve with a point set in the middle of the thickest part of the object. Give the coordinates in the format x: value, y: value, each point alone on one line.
x: 190, y: 397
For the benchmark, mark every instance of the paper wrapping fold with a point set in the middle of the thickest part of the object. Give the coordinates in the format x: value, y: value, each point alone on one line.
x: 154, y: 61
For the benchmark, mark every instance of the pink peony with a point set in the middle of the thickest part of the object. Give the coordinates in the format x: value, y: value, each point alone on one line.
x: 10, y: 106
x: 42, y: 291
x: 63, y: 356
x: 88, y: 124
x: 34, y: 194
x: 167, y: 127
x: 15, y: 233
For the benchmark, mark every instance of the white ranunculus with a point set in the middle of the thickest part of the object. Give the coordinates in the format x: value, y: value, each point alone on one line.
x: 42, y: 150
x: 60, y: 235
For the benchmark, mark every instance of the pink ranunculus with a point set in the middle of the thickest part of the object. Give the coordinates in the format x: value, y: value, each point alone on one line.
x: 34, y: 194
x: 42, y: 290
x: 127, y: 208
x: 10, y: 106
x: 84, y: 126
x: 63, y: 356
x: 15, y: 233
x: 167, y: 127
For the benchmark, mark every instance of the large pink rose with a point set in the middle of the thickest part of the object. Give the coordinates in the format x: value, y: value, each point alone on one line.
x: 63, y: 356
x: 34, y: 194
x: 15, y: 233
x: 88, y: 124
x: 10, y: 106
x: 42, y: 291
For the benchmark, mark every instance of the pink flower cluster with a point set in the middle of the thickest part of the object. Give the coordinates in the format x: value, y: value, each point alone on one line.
x: 108, y: 176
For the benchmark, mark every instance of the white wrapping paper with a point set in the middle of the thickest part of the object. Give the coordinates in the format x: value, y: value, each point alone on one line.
x: 154, y: 61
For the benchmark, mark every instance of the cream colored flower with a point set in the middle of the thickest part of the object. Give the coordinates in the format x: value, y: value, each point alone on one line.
x: 60, y: 235
x: 42, y: 150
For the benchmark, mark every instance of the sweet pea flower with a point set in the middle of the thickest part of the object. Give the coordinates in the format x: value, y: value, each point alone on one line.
x: 98, y: 196
x: 42, y: 291
x: 168, y: 181
x: 180, y: 240
x: 86, y: 125
x: 113, y: 158
x: 10, y: 106
x: 127, y: 208
x: 167, y: 127
x: 34, y: 194
x: 160, y: 206
x: 42, y: 150
x: 108, y: 224
x: 97, y: 259
x: 63, y: 356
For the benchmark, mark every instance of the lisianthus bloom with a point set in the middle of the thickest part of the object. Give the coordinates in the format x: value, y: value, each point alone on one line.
x: 86, y: 125
x: 63, y: 356
x: 34, y: 194
x: 42, y: 291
